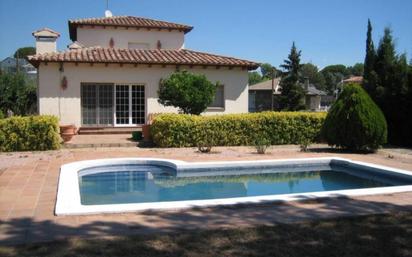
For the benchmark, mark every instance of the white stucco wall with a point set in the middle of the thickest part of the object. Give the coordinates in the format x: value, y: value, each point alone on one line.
x: 66, y: 103
x: 122, y: 37
x: 44, y: 46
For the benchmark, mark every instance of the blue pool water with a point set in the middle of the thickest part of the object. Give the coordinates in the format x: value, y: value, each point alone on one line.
x: 140, y: 184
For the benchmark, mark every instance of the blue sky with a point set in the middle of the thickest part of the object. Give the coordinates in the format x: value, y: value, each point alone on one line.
x: 327, y: 31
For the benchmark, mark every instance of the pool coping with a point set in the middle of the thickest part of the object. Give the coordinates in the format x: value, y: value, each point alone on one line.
x: 68, y: 194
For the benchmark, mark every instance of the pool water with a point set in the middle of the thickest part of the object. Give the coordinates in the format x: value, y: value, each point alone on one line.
x: 143, y: 183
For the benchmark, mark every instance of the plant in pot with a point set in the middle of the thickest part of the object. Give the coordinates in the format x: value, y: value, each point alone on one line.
x: 146, y: 127
x: 67, y: 132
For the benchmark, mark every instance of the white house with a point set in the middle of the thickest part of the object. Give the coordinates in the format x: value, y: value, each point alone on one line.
x: 109, y: 76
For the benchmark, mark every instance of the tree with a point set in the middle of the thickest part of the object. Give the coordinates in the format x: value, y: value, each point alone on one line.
x: 292, y: 94
x: 355, y: 122
x: 333, y: 75
x: 255, y: 77
x: 370, y: 76
x: 189, y: 92
x: 267, y: 70
x: 23, y: 52
x: 311, y: 72
x: 387, y: 79
x: 356, y: 69
x: 17, y: 94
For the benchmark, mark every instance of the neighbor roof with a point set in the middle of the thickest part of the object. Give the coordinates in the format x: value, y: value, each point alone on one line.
x: 141, y: 56
x: 125, y: 22
x: 265, y: 85
x: 353, y: 79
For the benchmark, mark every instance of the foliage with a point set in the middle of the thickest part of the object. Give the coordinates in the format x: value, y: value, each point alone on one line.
x: 355, y: 122
x: 255, y: 77
x: 356, y: 69
x: 333, y: 75
x: 292, y: 94
x: 137, y: 135
x: 179, y: 130
x: 23, y: 52
x: 17, y: 93
x: 261, y: 142
x: 1, y: 115
x: 311, y: 72
x: 189, y: 92
x: 388, y: 81
x: 31, y: 133
x: 268, y: 71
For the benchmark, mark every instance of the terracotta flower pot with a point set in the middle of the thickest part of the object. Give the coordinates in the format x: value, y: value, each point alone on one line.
x: 146, y: 132
x: 67, y: 132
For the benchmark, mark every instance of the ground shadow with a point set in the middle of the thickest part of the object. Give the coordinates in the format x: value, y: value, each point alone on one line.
x: 322, y: 227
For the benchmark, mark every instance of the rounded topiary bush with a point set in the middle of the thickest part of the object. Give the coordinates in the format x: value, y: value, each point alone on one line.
x: 355, y: 122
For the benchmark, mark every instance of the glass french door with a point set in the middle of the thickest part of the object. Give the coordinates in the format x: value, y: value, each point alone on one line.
x: 129, y: 105
x: 112, y: 105
x: 97, y: 104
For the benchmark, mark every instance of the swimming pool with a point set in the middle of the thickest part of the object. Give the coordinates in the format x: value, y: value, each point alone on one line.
x: 121, y: 185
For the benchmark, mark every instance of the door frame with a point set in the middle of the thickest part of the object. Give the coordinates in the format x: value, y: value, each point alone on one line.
x: 130, y: 124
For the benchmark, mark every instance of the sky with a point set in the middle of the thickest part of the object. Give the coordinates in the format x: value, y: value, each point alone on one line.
x: 326, y: 31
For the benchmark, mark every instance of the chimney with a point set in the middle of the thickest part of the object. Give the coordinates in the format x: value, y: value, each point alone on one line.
x: 46, y: 40
x: 306, y: 83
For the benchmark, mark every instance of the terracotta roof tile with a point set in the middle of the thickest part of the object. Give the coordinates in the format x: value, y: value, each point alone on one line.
x: 140, y: 56
x: 125, y: 21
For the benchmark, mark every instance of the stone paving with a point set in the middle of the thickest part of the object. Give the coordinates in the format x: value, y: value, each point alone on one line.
x: 28, y: 186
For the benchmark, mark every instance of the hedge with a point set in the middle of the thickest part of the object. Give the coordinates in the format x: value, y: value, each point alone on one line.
x: 31, y: 133
x: 180, y: 130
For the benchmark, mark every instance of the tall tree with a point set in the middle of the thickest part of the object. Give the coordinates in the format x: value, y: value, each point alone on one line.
x: 292, y: 93
x: 267, y: 69
x: 356, y: 69
x: 255, y: 77
x: 311, y: 72
x: 387, y: 79
x: 333, y: 75
x: 23, y: 52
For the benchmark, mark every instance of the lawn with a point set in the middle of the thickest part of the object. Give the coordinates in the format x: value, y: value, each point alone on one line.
x: 375, y: 235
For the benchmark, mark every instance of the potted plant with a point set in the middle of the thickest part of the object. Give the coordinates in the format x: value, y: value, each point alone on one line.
x: 146, y: 127
x: 67, y: 132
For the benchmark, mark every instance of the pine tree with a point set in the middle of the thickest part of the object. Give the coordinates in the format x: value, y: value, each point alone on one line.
x: 370, y: 76
x: 292, y: 93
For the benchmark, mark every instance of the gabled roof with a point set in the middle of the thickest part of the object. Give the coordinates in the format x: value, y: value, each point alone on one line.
x: 45, y: 32
x: 265, y: 85
x: 125, y: 22
x: 353, y: 79
x: 141, y: 56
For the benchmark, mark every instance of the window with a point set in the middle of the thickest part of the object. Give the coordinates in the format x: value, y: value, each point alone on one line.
x: 219, y: 100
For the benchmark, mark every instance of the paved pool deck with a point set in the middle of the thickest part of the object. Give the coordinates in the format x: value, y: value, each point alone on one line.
x: 28, y: 187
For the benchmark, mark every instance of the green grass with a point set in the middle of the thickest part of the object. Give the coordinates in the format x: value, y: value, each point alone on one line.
x: 376, y: 235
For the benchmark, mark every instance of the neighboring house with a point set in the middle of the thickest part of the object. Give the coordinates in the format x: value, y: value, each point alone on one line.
x: 109, y: 76
x: 260, y: 96
x: 11, y: 64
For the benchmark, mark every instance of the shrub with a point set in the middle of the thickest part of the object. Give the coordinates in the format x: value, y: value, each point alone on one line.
x: 355, y: 122
x: 1, y: 115
x: 261, y: 143
x: 137, y: 135
x: 30, y: 133
x: 180, y: 130
x: 189, y: 92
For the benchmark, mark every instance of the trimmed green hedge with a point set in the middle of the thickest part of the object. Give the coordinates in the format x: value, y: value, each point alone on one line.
x: 32, y: 133
x: 180, y: 130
